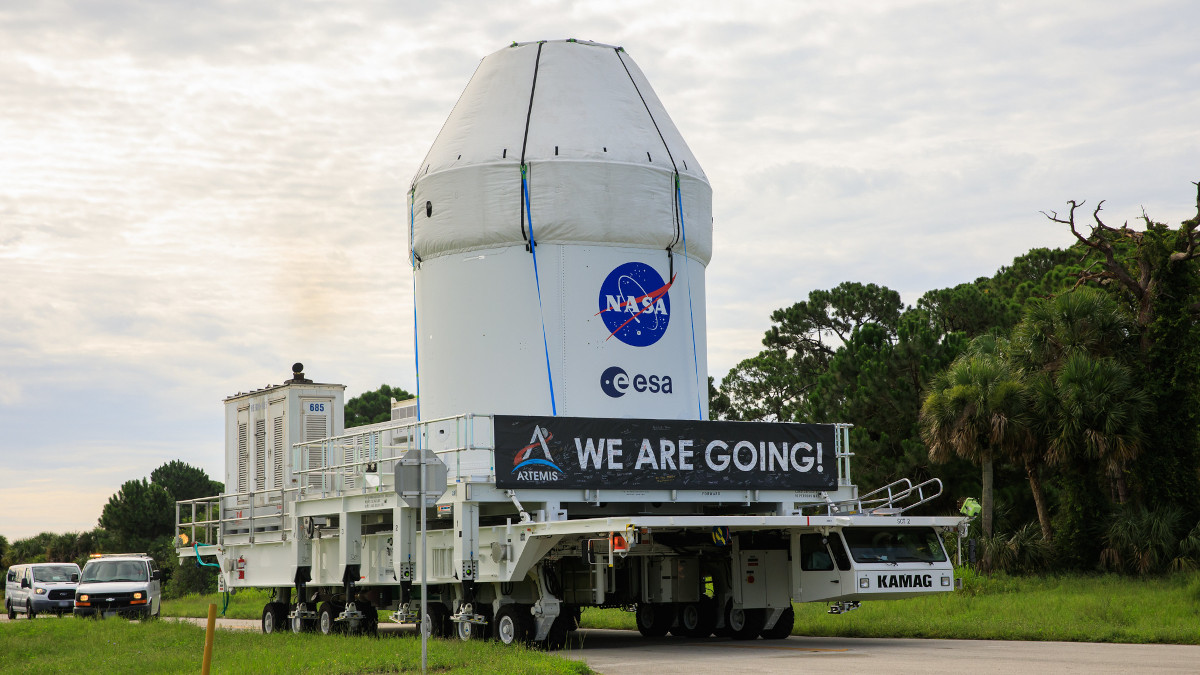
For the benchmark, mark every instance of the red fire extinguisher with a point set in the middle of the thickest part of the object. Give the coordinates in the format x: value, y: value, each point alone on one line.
x: 241, y: 567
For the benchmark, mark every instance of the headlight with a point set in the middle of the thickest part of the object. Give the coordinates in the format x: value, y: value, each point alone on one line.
x: 40, y: 591
x: 864, y: 582
x: 137, y: 596
x: 83, y: 598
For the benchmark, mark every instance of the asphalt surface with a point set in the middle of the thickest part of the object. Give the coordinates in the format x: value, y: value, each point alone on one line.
x: 614, y: 652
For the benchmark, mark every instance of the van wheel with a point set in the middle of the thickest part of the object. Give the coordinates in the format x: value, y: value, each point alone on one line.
x: 29, y: 609
x: 11, y: 613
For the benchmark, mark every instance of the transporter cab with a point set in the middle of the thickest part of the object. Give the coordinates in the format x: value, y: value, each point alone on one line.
x: 700, y: 527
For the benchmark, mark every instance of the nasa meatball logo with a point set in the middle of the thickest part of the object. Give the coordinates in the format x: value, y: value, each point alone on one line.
x: 635, y: 304
x: 615, y: 382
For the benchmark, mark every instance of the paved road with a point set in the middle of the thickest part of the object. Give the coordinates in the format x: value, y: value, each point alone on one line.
x: 614, y: 652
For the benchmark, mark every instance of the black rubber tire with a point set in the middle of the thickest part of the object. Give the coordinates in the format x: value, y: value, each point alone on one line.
x: 743, y: 624
x: 697, y: 619
x: 29, y: 609
x: 513, y: 625
x: 439, y: 621
x: 556, y: 638
x: 9, y: 608
x: 326, y: 622
x: 782, y: 627
x: 274, y: 618
x: 369, y: 625
x: 654, y: 619
x: 574, y: 616
x: 302, y: 625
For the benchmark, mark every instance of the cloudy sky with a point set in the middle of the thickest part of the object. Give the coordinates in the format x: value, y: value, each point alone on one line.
x: 195, y: 194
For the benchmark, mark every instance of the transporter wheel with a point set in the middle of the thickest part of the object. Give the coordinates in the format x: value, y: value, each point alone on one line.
x: 574, y: 616
x: 299, y: 625
x: 782, y: 627
x: 29, y: 609
x: 556, y: 638
x: 440, y: 625
x: 513, y: 624
x: 743, y: 624
x: 370, y: 622
x: 474, y: 631
x: 12, y: 614
x: 697, y: 619
x: 327, y: 621
x: 274, y: 617
x: 654, y: 619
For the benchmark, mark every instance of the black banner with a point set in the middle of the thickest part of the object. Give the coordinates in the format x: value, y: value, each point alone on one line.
x: 589, y: 452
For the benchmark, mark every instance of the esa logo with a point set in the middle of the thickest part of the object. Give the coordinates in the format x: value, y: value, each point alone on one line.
x: 635, y: 305
x: 616, y: 382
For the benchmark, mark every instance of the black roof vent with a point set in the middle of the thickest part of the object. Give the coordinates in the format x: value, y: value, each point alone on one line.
x: 298, y: 375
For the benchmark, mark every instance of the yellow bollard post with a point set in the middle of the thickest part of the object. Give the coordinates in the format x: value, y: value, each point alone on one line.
x: 208, y: 639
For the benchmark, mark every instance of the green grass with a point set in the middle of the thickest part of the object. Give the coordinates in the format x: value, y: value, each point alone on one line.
x: 116, y: 645
x: 1100, y: 608
x: 1074, y: 608
x: 245, y: 604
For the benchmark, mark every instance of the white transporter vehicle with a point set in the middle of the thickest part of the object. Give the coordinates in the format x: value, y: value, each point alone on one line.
x: 561, y: 457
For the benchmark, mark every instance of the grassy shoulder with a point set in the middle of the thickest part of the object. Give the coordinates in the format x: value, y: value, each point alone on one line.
x: 116, y: 645
x: 1077, y: 608
x: 1073, y: 608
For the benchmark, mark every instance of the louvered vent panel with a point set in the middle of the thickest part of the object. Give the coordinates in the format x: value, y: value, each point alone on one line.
x: 260, y: 455
x: 350, y: 473
x: 315, y: 428
x: 243, y: 459
x: 277, y: 449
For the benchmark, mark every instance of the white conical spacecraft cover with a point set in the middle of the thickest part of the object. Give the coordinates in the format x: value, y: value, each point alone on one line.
x: 600, y: 152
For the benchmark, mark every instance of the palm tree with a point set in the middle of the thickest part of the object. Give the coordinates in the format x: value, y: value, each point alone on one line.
x: 977, y: 409
x: 1088, y: 406
x: 1100, y: 413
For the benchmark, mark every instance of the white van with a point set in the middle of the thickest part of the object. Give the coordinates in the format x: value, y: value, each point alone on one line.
x: 40, y: 587
x: 119, y: 584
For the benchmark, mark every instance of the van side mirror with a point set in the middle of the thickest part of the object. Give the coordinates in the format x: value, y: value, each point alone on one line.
x: 24, y: 583
x: 155, y: 575
x: 74, y: 578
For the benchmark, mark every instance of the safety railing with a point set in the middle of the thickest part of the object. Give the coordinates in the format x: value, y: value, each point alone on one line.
x: 220, y: 515
x: 841, y: 451
x: 364, y: 460
x: 892, y: 499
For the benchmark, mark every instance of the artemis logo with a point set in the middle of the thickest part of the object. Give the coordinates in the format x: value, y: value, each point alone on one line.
x: 527, y: 465
x: 616, y: 382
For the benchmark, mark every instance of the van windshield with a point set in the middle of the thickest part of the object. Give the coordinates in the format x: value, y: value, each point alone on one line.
x: 54, y: 573
x: 894, y: 545
x: 114, y: 570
